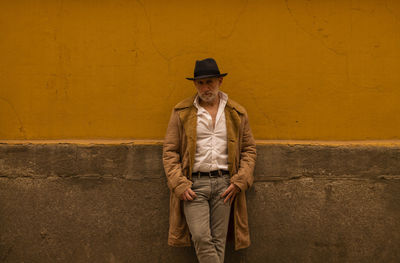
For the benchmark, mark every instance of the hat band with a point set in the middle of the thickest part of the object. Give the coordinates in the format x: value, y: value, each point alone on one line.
x: 204, y: 73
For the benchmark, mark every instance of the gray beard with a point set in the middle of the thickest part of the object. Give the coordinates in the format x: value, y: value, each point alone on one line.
x: 207, y: 98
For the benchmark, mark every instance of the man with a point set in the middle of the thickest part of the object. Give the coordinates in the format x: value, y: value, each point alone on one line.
x: 209, y: 156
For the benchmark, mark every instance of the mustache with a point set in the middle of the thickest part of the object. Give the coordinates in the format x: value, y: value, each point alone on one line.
x: 207, y: 96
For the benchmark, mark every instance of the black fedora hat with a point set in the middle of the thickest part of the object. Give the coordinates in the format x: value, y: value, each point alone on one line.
x: 206, y: 68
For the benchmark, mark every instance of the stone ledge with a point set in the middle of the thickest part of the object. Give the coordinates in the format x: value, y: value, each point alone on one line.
x: 275, y: 161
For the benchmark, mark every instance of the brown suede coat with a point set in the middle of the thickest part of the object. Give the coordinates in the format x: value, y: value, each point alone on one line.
x: 178, y: 157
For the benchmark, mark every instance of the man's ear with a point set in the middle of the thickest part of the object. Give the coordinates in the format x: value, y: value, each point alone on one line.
x: 220, y: 80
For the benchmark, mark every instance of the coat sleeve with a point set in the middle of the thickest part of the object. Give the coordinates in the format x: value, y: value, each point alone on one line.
x: 244, y: 178
x: 177, y: 182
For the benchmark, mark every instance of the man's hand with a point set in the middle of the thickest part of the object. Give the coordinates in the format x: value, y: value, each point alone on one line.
x: 188, y: 195
x: 230, y: 193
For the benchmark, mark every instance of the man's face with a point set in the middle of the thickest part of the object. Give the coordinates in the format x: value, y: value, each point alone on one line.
x: 208, y: 88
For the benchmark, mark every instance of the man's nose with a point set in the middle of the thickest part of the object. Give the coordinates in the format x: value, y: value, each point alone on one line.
x: 206, y: 86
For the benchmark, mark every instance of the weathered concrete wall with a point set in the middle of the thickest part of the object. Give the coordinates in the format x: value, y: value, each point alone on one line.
x: 72, y: 202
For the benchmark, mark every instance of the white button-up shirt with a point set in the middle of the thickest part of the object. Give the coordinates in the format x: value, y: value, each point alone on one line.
x: 211, y: 145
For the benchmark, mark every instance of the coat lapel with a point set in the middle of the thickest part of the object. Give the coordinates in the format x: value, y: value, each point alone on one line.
x: 232, y: 130
x: 189, y: 119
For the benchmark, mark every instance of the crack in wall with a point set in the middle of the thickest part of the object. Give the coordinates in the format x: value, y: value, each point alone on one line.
x: 390, y: 10
x: 63, y: 53
x: 147, y: 16
x: 21, y: 125
x: 235, y: 22
x: 351, y: 81
x: 343, y: 54
x: 378, y: 178
x: 337, y: 52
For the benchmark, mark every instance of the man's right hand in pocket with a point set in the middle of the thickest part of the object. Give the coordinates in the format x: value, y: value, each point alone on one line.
x: 188, y: 195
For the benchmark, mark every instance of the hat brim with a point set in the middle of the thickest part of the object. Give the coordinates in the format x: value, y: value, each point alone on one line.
x: 208, y: 76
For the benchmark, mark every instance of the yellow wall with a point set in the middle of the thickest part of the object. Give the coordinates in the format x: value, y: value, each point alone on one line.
x: 304, y: 69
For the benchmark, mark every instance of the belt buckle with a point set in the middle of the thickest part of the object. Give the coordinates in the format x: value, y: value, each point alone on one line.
x: 214, y: 176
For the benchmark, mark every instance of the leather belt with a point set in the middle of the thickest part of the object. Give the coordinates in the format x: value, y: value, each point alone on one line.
x: 215, y: 173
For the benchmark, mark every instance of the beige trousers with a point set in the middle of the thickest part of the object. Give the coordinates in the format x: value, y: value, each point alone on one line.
x: 208, y: 217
